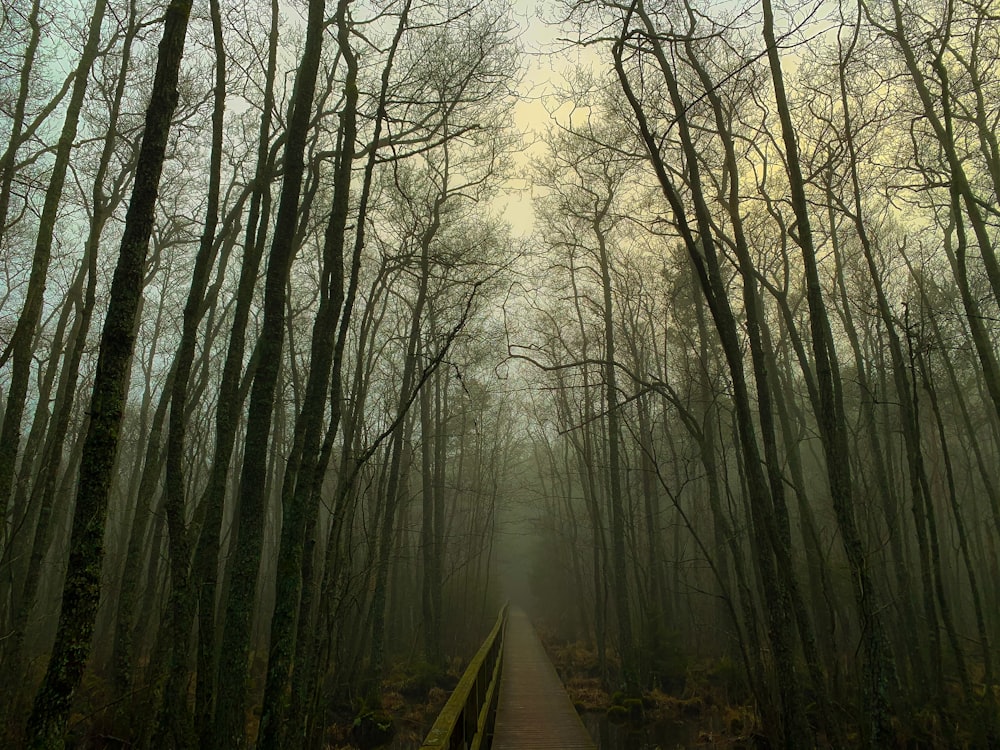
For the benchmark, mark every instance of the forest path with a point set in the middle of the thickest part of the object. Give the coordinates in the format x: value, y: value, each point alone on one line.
x: 534, y: 711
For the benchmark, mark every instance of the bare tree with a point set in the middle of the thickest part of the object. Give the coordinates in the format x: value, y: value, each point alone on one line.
x: 82, y: 587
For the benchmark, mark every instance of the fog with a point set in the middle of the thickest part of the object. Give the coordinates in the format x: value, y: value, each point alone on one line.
x: 327, y: 329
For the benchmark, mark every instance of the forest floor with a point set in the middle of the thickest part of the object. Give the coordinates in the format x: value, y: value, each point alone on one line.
x: 660, y: 717
x: 693, y: 710
x: 695, y: 713
x: 411, y: 700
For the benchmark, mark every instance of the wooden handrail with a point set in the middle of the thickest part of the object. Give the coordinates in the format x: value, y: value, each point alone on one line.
x: 466, y: 721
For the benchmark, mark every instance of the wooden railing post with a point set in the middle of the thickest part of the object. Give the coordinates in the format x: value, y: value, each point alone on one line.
x: 467, y: 719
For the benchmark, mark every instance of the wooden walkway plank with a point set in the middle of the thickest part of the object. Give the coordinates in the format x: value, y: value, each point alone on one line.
x: 535, y: 712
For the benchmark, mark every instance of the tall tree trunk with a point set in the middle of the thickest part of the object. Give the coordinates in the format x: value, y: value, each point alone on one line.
x: 725, y: 535
x: 616, y: 503
x: 174, y: 727
x: 406, y: 395
x: 230, y: 724
x: 123, y: 650
x: 300, y: 503
x: 9, y: 159
x: 879, y: 670
x: 960, y: 527
x: 771, y: 553
x: 24, y: 332
x: 429, y: 494
x: 204, y: 568
x: 81, y: 590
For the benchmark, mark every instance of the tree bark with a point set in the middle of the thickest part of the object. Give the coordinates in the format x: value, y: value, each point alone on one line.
x: 24, y: 332
x: 229, y: 723
x: 81, y: 590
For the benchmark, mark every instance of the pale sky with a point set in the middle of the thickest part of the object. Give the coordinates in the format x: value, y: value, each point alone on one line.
x: 545, y: 61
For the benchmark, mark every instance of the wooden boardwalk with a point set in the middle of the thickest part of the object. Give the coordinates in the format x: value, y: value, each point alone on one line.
x: 535, y: 713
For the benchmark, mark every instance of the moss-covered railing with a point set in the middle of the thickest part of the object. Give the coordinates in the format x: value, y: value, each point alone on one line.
x: 466, y: 721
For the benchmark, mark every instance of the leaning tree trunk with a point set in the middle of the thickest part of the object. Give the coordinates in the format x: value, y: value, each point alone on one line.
x: 8, y: 161
x: 772, y: 554
x: 395, y: 478
x: 204, y: 568
x: 617, y: 505
x: 81, y: 590
x: 245, y: 562
x: 174, y: 727
x: 879, y: 669
x: 24, y: 332
x: 299, y: 503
